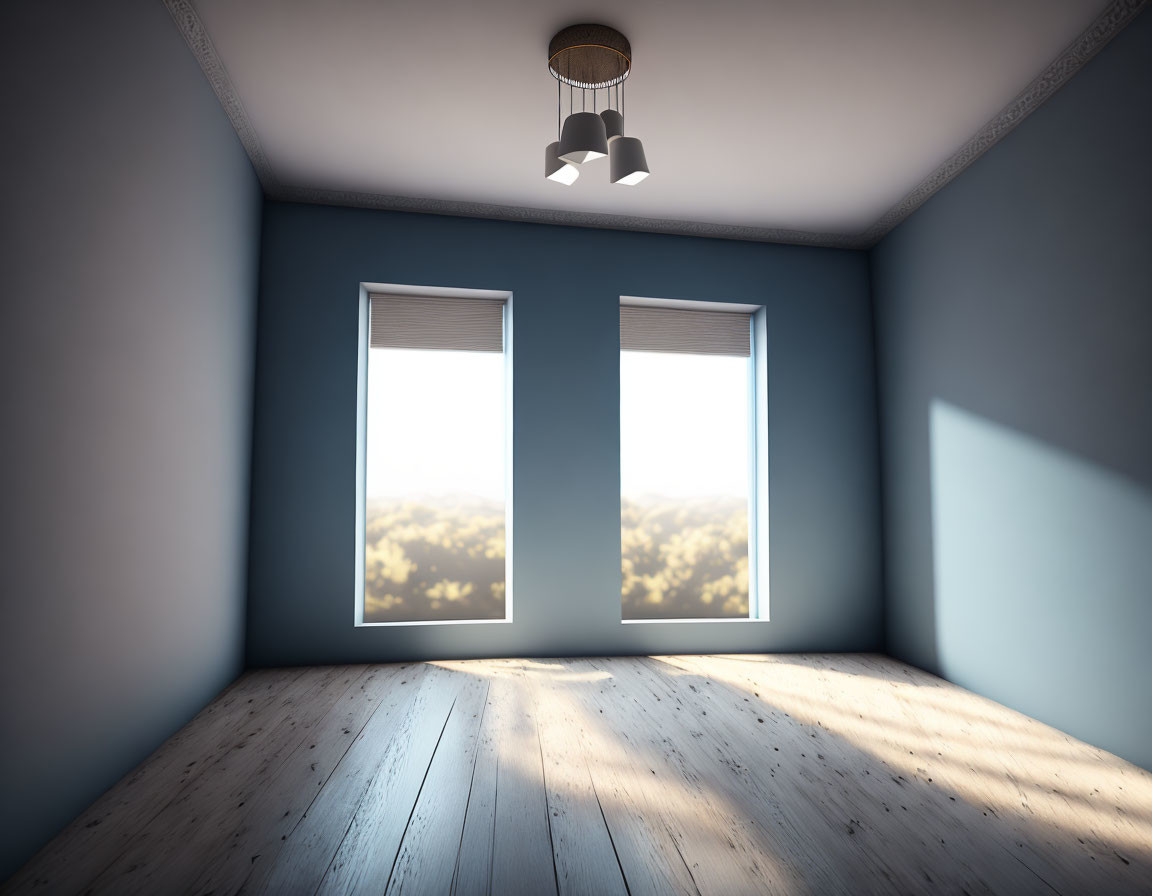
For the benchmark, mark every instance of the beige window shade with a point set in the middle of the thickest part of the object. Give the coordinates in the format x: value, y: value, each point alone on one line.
x: 432, y: 322
x: 644, y: 329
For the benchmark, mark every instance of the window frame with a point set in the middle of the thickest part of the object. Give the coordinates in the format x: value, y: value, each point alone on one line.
x: 361, y: 484
x: 758, y: 508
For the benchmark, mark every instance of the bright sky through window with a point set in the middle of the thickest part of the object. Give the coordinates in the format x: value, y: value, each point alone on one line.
x: 435, y: 424
x: 684, y: 485
x: 683, y: 425
x: 434, y: 544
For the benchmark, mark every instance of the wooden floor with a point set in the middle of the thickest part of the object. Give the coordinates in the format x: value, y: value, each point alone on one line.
x: 725, y: 774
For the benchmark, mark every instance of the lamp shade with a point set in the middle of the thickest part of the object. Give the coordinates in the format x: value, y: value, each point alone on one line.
x: 628, y: 163
x: 583, y: 138
x: 555, y: 168
x: 613, y: 124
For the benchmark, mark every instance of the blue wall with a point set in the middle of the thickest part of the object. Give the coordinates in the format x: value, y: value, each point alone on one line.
x: 1014, y: 319
x: 825, y: 589
x: 128, y: 275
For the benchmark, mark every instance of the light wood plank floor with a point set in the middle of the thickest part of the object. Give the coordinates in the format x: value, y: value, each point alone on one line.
x: 724, y: 774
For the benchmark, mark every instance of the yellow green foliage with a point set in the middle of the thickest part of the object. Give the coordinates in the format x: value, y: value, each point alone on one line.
x: 684, y: 559
x: 427, y: 561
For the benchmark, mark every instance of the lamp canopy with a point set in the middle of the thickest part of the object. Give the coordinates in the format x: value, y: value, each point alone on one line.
x: 590, y: 56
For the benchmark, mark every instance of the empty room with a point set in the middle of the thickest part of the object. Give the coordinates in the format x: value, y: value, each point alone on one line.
x: 528, y: 448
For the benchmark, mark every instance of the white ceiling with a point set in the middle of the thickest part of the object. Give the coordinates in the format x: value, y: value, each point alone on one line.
x: 812, y: 115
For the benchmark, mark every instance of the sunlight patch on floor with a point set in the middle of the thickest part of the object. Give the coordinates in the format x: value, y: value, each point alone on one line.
x: 979, y: 751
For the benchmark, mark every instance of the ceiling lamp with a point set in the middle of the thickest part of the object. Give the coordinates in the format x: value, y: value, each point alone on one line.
x: 628, y: 164
x: 555, y: 168
x: 613, y: 124
x: 593, y: 60
x: 583, y: 138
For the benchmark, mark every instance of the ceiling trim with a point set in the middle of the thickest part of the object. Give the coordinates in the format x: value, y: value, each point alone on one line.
x: 204, y: 50
x: 1110, y: 22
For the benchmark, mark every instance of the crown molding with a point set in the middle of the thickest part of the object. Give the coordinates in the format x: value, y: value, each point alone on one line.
x: 1110, y: 22
x: 204, y: 50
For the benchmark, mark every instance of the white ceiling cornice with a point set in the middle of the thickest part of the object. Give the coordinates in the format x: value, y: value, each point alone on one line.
x: 205, y: 52
x: 1110, y: 22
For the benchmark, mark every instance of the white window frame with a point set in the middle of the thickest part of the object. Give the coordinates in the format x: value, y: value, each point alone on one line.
x: 362, y: 350
x: 758, y: 553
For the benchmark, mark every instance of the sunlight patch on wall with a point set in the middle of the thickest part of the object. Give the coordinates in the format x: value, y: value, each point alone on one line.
x: 1042, y: 572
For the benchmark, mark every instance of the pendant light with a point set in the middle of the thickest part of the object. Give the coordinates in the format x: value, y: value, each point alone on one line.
x: 555, y: 168
x: 592, y: 58
x: 583, y: 139
x: 613, y: 124
x: 628, y: 164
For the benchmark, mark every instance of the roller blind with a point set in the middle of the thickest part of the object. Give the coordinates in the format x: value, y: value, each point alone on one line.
x: 645, y: 329
x: 433, y: 322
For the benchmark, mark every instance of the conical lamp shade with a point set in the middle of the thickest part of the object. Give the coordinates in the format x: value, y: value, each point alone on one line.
x: 613, y: 124
x: 555, y: 168
x: 628, y: 163
x: 583, y: 138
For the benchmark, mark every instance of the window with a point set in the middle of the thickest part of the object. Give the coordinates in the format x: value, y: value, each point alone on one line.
x: 433, y: 460
x: 688, y: 461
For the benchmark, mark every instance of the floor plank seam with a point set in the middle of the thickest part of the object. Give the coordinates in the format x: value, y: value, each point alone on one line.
x: 415, y: 802
x: 544, y: 780
x: 471, y: 784
x: 687, y: 867
x: 1039, y: 876
x: 611, y: 839
x: 492, y: 834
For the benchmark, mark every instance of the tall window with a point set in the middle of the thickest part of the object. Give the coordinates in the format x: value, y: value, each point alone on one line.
x: 434, y: 461
x: 687, y: 463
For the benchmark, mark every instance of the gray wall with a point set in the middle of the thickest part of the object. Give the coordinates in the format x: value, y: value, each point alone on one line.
x: 128, y: 277
x: 1014, y: 319
x: 566, y: 284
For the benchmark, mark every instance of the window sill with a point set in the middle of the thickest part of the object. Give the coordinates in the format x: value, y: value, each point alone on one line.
x: 434, y: 622
x: 739, y: 621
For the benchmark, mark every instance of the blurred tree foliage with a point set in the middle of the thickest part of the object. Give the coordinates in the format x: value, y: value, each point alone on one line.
x: 684, y: 558
x: 433, y: 560
x: 442, y: 560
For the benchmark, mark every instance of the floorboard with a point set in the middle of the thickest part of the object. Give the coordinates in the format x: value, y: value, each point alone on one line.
x: 644, y: 775
x: 523, y: 856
